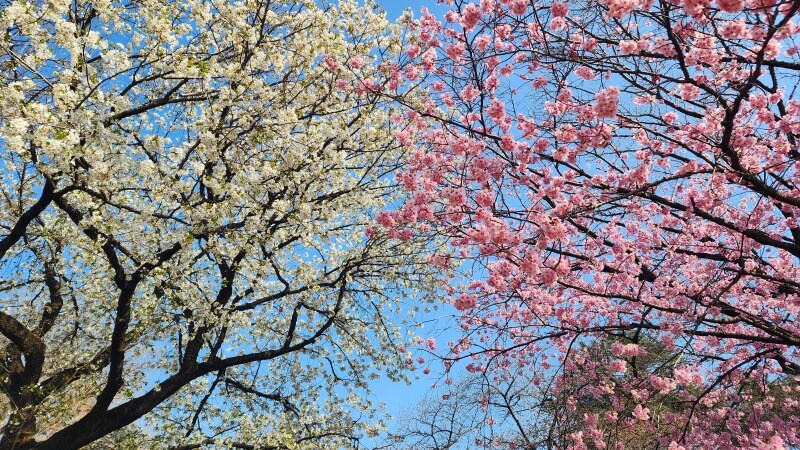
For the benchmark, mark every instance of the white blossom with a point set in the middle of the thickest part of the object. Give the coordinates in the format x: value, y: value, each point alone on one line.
x: 186, y: 190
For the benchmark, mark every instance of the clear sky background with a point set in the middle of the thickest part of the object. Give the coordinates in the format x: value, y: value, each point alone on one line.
x: 399, y: 397
x: 396, y: 7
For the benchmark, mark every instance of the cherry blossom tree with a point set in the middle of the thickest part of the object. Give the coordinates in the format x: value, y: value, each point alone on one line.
x: 185, y: 252
x: 473, y: 412
x: 616, y: 168
x: 525, y: 410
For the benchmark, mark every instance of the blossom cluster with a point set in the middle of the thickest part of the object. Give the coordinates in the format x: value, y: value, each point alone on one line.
x: 629, y: 177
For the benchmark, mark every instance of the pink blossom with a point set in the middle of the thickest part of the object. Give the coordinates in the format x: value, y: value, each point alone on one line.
x: 485, y: 198
x: 507, y: 143
x: 731, y: 6
x: 455, y: 51
x: 589, y: 44
x: 386, y: 219
x: 641, y: 413
x: 734, y: 29
x: 469, y: 93
x: 465, y: 301
x: 774, y: 443
x: 430, y: 344
x: 558, y: 23
x: 496, y: 110
x: 503, y: 31
x: 773, y: 49
x: 695, y: 7
x: 519, y: 7
x: 549, y: 277
x: 628, y: 47
x: 689, y: 92
x: 683, y: 376
x: 757, y: 33
x: 470, y: 16
x: 483, y: 42
x: 429, y: 59
x: 404, y: 137
x: 619, y: 349
x: 607, y: 100
x: 559, y: 9
x: 585, y: 73
x: 619, y: 8
x: 330, y: 63
x: 618, y: 365
x: 661, y: 384
x: 412, y: 72
x: 491, y: 83
x: 664, y: 46
x: 365, y: 86
x: 356, y: 63
x: 447, y: 100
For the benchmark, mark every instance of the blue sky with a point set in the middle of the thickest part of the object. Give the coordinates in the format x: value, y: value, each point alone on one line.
x: 399, y: 397
x: 396, y: 7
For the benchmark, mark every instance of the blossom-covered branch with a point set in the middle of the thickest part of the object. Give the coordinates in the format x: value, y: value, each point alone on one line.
x: 621, y: 169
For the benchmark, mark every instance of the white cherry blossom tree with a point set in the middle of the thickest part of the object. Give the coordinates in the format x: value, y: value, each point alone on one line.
x: 187, y: 189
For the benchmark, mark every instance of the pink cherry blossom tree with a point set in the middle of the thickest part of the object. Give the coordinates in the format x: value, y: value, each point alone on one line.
x: 484, y: 411
x: 620, y: 168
